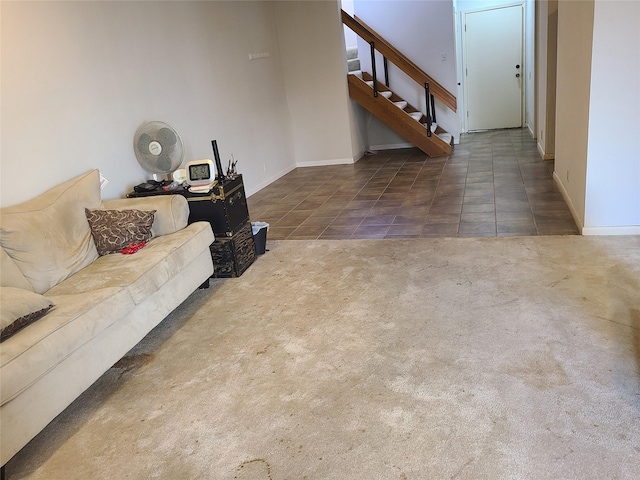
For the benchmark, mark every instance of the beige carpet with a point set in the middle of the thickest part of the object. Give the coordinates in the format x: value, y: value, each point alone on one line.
x: 509, y: 358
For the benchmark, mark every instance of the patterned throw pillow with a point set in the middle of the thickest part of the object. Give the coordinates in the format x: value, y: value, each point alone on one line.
x: 20, y: 308
x: 113, y: 230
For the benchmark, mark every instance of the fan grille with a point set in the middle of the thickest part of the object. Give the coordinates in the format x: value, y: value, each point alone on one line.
x: 158, y: 147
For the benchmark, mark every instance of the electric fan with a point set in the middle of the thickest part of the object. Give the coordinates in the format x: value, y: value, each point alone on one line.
x: 158, y: 148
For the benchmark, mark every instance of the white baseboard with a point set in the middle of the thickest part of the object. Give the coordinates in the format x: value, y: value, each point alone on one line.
x: 391, y: 146
x: 625, y: 230
x: 567, y: 199
x: 282, y: 173
x: 250, y: 191
x: 322, y: 163
x: 615, y: 230
x: 545, y: 156
x: 395, y: 146
x: 533, y: 135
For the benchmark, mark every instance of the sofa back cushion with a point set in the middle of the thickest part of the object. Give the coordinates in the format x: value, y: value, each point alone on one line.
x: 10, y: 274
x: 172, y: 211
x: 49, y: 237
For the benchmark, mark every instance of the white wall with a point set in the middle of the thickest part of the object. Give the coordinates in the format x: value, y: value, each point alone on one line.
x: 613, y: 160
x: 575, y: 31
x: 529, y: 67
x: 546, y: 58
x: 358, y: 116
x: 350, y: 38
x: 315, y: 76
x: 422, y: 31
x: 78, y: 78
x: 597, y: 162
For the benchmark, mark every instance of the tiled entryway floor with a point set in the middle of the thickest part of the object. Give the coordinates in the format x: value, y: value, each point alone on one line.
x: 494, y: 184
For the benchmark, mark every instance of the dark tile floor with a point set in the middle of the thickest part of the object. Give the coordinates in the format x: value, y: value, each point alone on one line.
x: 494, y: 184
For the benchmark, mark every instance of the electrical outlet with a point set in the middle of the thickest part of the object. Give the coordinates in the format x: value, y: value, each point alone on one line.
x: 443, y: 56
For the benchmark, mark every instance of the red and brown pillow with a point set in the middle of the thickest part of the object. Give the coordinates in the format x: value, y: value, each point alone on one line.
x: 114, y: 230
x: 20, y: 308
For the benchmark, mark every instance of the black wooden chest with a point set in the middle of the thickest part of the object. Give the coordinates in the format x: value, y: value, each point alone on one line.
x: 233, y: 255
x: 225, y: 207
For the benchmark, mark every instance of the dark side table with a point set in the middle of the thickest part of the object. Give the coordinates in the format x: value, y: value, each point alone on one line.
x: 225, y: 208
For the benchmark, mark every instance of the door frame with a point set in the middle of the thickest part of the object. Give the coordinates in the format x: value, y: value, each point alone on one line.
x: 461, y: 56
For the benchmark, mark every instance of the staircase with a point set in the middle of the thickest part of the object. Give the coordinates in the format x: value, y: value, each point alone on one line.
x: 408, y: 121
x: 405, y: 119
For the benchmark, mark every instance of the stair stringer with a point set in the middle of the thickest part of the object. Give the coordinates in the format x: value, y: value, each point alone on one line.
x: 398, y: 120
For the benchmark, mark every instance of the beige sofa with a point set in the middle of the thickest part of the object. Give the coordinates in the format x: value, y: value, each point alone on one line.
x: 92, y: 308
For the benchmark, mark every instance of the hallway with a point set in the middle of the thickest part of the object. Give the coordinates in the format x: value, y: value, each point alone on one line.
x: 494, y: 184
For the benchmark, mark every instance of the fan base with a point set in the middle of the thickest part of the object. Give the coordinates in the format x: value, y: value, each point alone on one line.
x: 163, y: 177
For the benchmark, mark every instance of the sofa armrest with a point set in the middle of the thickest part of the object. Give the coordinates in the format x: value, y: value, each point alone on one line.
x: 172, y: 211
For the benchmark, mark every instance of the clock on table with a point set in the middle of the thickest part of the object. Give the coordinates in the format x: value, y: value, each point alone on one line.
x: 200, y: 175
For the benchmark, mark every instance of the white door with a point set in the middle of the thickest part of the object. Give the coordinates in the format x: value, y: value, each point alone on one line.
x: 493, y: 69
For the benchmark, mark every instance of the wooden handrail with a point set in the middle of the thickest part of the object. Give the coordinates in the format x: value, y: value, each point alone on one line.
x: 397, y: 58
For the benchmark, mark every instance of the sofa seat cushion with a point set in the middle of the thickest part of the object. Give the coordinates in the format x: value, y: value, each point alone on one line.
x: 145, y: 271
x: 49, y: 237
x: 33, y: 351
